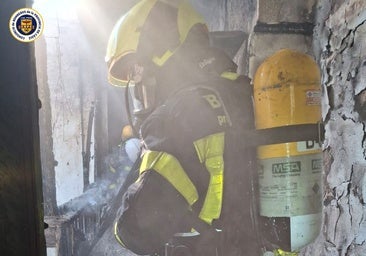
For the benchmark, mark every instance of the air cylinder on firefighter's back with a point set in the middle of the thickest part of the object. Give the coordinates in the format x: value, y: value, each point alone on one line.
x: 287, y: 92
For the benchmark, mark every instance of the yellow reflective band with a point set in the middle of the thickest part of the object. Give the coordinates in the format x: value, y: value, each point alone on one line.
x: 210, y: 151
x: 230, y: 75
x: 169, y: 167
x: 161, y: 60
x: 119, y: 240
x: 279, y: 252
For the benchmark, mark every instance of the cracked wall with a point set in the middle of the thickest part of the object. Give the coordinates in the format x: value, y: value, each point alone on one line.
x: 67, y: 94
x: 340, y: 47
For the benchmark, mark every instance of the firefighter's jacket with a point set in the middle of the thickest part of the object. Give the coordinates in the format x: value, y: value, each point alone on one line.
x: 196, y: 161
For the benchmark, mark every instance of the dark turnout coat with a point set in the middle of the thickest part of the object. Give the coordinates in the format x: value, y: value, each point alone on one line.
x: 153, y: 209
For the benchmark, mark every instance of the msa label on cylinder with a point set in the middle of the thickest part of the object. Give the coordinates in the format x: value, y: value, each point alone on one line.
x: 290, y: 186
x: 291, y: 168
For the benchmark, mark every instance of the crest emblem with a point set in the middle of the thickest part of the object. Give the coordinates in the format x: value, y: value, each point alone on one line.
x: 26, y: 24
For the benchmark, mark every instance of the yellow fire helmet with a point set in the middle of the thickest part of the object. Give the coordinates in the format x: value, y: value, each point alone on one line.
x: 124, y: 41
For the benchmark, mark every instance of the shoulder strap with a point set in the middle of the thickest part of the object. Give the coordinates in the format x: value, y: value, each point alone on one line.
x: 284, y: 134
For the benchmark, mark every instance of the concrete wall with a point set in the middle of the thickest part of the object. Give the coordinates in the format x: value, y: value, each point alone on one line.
x: 340, y: 48
x: 230, y: 16
x: 227, y: 15
x: 67, y: 93
x: 62, y: 72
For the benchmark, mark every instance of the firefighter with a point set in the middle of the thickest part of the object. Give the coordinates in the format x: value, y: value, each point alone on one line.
x: 193, y: 176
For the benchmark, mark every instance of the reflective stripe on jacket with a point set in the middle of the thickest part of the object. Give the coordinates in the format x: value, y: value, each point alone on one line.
x: 210, y: 152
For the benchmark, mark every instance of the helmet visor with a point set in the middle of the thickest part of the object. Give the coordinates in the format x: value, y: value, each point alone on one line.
x: 121, y: 70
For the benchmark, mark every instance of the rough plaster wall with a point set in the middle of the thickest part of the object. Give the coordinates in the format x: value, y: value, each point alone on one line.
x: 273, y: 11
x: 87, y: 78
x: 213, y: 11
x: 229, y: 15
x: 62, y: 70
x: 340, y: 45
x: 241, y: 16
x: 47, y: 157
x: 69, y: 110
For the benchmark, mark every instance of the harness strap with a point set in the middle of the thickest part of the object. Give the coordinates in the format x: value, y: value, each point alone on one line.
x: 285, y: 134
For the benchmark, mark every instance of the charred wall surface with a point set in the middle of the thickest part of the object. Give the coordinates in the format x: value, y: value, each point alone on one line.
x: 340, y: 47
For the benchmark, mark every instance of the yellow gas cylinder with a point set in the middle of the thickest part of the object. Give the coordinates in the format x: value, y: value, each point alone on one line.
x: 287, y: 93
